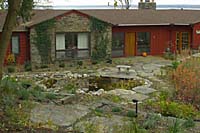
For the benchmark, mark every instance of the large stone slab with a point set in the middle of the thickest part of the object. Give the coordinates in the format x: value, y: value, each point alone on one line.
x: 127, y: 94
x: 102, y: 124
x: 64, y: 115
x: 143, y: 90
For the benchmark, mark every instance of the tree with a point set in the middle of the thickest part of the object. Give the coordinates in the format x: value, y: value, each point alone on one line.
x: 15, y: 9
x: 124, y: 3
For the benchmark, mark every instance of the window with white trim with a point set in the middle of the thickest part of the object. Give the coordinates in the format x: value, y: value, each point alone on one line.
x: 15, y: 45
x: 72, y: 45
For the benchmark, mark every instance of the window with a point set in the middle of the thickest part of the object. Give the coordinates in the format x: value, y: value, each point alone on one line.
x: 118, y: 44
x: 15, y: 44
x: 143, y: 42
x: 72, y: 45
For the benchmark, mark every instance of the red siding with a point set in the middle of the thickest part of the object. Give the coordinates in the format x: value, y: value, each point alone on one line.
x: 161, y: 36
x: 196, y: 37
x: 24, y: 54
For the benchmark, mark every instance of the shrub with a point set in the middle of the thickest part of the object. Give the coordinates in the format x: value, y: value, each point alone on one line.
x: 175, y: 127
x: 187, y: 82
x: 23, y: 94
x: 116, y: 109
x: 131, y: 113
x: 189, y: 123
x: 151, y: 121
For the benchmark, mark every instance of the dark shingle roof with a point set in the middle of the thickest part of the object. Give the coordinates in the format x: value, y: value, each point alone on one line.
x: 120, y: 17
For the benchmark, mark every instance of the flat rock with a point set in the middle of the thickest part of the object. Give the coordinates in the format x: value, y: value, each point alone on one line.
x: 127, y: 94
x: 102, y: 124
x: 143, y: 90
x: 58, y: 115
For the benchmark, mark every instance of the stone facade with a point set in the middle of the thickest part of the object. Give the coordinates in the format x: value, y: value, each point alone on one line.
x: 72, y: 22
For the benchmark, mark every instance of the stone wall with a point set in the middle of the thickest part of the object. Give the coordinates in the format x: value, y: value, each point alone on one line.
x: 73, y: 22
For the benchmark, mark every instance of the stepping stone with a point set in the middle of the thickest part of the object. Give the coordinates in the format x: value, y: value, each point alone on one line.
x: 143, y: 90
x: 139, y: 97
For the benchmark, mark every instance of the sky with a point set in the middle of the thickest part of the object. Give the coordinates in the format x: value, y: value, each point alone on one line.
x: 105, y: 2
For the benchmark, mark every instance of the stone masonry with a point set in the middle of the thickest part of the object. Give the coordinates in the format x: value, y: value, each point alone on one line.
x: 72, y: 22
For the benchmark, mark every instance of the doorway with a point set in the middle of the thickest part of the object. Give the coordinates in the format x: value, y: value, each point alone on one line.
x: 130, y: 44
x: 182, y: 41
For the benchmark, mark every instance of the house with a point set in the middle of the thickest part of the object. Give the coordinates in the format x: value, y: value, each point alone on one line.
x: 67, y: 34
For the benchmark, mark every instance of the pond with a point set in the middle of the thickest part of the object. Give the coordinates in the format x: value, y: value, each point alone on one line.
x: 96, y: 83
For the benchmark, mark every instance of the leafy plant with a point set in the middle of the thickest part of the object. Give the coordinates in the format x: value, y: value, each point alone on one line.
x: 189, y: 123
x: 175, y: 64
x: 151, y: 121
x: 175, y: 127
x: 116, y: 109
x: 23, y: 94
x: 70, y: 88
x: 131, y: 113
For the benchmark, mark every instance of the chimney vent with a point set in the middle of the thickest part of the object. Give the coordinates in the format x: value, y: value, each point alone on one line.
x: 147, y: 4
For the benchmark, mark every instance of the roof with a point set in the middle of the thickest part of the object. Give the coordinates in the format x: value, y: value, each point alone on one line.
x: 119, y: 17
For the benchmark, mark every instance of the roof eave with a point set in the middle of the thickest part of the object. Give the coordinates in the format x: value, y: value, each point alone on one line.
x: 160, y: 24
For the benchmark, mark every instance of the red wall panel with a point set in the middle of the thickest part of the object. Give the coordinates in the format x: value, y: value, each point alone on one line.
x: 161, y: 36
x: 196, y: 36
x: 24, y: 54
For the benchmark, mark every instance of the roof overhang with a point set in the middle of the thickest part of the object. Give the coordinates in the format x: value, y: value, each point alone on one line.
x: 161, y: 24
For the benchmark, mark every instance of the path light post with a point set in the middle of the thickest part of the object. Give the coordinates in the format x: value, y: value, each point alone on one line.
x: 136, y: 106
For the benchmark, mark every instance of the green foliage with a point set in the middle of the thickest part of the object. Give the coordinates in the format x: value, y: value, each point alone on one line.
x: 51, y: 96
x: 42, y: 39
x: 175, y: 109
x: 189, y: 123
x: 131, y: 113
x: 129, y: 127
x: 175, y: 127
x: 98, y: 25
x: 116, y: 109
x: 98, y: 112
x: 25, y: 10
x: 151, y: 121
x: 70, y: 88
x: 175, y: 64
x: 91, y: 128
x: 27, y: 66
x: 80, y: 63
x: 23, y: 94
x: 101, y: 40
